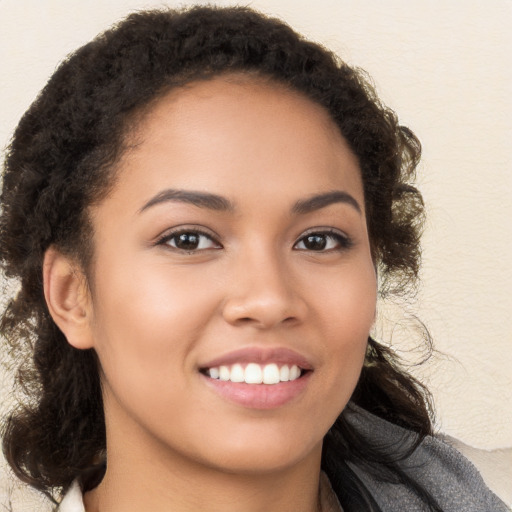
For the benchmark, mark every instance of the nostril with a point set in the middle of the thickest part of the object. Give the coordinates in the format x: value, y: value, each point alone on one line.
x: 262, y: 310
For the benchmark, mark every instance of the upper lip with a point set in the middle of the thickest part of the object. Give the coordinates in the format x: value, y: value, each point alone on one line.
x: 279, y: 355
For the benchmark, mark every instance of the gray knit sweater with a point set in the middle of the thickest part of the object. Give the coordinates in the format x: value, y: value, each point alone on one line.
x: 444, y: 472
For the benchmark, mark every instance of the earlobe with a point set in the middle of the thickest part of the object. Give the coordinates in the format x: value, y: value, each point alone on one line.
x: 68, y: 298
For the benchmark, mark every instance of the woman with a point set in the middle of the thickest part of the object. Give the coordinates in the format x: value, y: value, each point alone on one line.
x: 197, y: 206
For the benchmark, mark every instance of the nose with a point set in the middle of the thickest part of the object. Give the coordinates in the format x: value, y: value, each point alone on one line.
x: 263, y: 293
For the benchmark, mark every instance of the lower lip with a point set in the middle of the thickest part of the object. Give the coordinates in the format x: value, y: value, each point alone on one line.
x: 259, y: 396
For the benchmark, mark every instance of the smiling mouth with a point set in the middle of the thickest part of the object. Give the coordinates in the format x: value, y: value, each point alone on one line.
x: 254, y: 373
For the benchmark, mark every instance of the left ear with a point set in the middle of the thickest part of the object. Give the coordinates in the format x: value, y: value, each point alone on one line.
x: 68, y: 298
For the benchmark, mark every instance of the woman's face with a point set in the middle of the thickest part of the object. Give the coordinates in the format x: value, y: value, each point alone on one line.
x: 232, y: 248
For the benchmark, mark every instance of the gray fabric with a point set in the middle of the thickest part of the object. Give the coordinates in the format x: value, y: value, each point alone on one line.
x: 444, y: 472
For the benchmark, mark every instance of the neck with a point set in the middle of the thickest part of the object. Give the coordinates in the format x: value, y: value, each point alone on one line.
x: 148, y: 485
x: 143, y: 474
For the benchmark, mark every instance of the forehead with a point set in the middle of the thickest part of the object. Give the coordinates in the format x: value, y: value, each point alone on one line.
x: 232, y: 129
x: 238, y: 99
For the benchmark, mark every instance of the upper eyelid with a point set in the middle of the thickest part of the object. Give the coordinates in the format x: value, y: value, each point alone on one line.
x: 188, y: 228
x: 324, y: 230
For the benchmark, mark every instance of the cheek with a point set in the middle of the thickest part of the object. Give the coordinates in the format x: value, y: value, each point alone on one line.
x: 347, y: 300
x: 347, y: 313
x: 148, y: 319
x: 146, y: 337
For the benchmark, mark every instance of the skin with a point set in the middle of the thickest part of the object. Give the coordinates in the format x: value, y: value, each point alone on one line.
x: 156, y: 314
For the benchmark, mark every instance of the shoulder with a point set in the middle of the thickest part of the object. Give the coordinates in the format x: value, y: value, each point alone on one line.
x: 439, y: 468
x: 452, y: 478
x: 494, y: 465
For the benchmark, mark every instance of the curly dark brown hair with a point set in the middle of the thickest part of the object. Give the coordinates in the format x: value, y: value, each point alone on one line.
x: 61, y: 161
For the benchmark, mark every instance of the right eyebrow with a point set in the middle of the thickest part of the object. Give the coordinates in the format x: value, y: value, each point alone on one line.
x: 199, y: 199
x: 320, y: 201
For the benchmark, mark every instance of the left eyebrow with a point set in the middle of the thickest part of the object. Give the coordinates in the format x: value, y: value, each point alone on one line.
x: 199, y: 199
x: 320, y: 201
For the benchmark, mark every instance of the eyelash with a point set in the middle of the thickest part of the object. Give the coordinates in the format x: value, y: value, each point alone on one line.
x: 343, y: 241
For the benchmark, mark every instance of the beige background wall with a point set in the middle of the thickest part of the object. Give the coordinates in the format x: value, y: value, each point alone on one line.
x: 444, y: 66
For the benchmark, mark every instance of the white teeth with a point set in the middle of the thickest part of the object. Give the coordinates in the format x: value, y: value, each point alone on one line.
x: 294, y: 372
x: 270, y: 374
x: 237, y: 373
x: 255, y: 374
x: 224, y: 373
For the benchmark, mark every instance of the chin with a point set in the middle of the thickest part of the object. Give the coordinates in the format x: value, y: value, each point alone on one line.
x: 263, y: 454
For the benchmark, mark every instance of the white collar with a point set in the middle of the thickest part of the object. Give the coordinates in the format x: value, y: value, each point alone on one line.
x: 73, y: 500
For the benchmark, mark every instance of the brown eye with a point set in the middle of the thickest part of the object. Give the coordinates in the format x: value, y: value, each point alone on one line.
x: 315, y: 242
x: 189, y: 241
x: 323, y: 242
